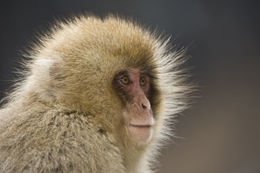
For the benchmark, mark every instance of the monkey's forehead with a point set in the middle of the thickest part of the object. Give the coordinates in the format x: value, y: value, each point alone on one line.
x: 112, y: 36
x: 98, y: 42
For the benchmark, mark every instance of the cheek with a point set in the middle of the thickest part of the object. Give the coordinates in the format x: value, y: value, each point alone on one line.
x: 129, y: 114
x: 126, y: 117
x: 147, y: 87
x: 146, y: 90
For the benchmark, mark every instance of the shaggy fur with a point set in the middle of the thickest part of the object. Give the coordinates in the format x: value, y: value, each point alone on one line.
x: 65, y: 116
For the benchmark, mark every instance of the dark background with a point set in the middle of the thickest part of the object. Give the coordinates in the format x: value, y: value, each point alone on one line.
x: 220, y: 132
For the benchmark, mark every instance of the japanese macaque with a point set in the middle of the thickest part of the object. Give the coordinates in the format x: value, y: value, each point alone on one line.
x: 97, y: 96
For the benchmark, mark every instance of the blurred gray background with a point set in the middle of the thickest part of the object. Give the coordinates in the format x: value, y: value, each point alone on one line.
x: 220, y: 133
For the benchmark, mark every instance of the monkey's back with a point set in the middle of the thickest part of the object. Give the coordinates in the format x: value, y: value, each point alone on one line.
x: 56, y: 140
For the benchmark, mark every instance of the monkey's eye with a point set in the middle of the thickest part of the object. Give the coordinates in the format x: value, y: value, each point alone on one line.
x: 125, y: 80
x: 142, y: 81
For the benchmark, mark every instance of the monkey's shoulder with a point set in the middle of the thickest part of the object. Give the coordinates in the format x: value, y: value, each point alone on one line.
x: 57, y: 140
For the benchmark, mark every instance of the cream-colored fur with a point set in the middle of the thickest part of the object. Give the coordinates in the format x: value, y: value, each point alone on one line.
x: 65, y: 115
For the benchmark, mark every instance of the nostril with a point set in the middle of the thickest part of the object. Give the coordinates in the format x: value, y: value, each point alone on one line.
x: 143, y: 106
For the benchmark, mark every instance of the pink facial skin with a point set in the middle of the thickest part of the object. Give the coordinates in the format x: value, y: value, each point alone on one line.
x: 138, y: 116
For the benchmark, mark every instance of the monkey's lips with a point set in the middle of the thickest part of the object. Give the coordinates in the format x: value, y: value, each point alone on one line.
x: 141, y: 125
x: 141, y: 133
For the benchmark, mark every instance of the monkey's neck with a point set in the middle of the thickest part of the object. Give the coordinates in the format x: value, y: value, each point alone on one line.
x: 133, y: 158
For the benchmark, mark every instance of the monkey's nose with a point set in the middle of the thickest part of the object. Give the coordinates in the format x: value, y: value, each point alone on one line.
x: 144, y: 106
x: 143, y: 102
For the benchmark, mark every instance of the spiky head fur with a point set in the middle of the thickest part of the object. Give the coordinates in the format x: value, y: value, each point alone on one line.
x: 72, y: 68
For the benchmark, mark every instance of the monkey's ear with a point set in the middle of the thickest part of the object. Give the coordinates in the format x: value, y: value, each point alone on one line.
x: 44, y: 77
x: 45, y: 69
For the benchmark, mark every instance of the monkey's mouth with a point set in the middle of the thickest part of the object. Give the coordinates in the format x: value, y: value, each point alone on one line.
x: 148, y: 123
x: 140, y: 132
x: 141, y: 125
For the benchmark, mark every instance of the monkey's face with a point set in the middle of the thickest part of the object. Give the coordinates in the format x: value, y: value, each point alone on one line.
x: 133, y: 87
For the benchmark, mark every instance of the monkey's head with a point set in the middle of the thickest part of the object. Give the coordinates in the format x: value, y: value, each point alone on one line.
x: 114, y: 70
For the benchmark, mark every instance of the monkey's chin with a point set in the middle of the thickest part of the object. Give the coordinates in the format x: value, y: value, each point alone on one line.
x: 140, y: 135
